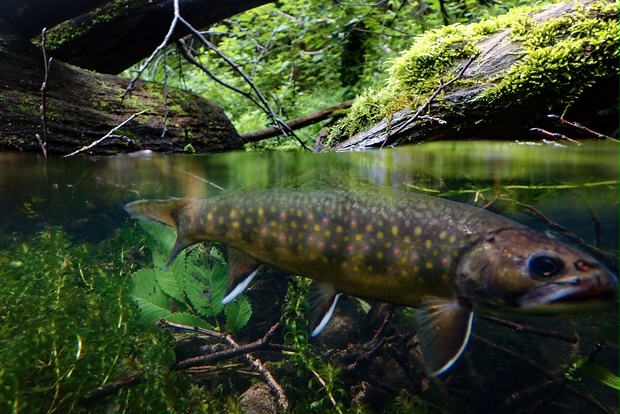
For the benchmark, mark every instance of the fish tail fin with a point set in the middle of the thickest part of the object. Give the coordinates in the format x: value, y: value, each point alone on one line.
x: 166, y: 212
x: 162, y: 211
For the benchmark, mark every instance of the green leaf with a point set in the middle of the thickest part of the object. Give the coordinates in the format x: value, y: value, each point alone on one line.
x: 199, y: 291
x: 597, y: 372
x: 171, y: 283
x: 188, y: 319
x: 152, y: 301
x: 237, y: 314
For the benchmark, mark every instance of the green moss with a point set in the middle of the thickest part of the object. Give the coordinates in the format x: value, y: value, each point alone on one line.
x: 561, y: 58
x: 75, y: 29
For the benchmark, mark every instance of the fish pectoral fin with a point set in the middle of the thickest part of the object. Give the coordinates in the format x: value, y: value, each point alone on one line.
x: 241, y: 270
x: 323, y: 300
x: 444, y: 327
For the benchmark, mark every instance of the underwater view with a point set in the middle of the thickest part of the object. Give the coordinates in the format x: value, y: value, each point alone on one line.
x: 105, y: 310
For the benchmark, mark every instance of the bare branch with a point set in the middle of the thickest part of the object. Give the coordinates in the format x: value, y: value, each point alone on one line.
x: 109, y: 134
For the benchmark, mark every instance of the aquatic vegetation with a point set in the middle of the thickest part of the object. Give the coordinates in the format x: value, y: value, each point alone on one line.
x: 190, y: 292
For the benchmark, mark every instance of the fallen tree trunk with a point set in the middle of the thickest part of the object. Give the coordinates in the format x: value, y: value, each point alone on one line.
x: 297, y: 123
x: 83, y: 106
x: 110, y: 36
x: 562, y: 59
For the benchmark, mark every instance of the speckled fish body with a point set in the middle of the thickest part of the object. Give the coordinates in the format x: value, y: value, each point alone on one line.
x: 370, y: 245
x: 444, y: 257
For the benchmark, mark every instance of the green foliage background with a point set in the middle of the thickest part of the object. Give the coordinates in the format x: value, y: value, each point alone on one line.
x: 306, y: 55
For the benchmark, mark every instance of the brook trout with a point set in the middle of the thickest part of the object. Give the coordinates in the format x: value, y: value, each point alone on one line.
x: 445, y: 258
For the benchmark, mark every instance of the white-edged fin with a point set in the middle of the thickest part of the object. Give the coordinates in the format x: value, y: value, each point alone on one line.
x: 241, y: 270
x: 323, y: 300
x: 444, y: 327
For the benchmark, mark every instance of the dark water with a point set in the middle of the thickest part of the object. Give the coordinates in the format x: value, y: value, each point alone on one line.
x: 575, y: 189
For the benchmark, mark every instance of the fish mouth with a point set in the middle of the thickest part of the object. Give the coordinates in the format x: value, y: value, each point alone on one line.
x: 569, y: 297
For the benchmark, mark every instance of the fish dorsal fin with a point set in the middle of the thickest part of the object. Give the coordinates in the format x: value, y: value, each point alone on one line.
x: 323, y: 300
x: 241, y: 270
x: 443, y: 330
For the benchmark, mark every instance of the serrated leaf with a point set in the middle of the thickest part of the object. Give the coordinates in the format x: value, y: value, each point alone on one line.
x: 237, y: 314
x: 171, y: 283
x: 188, y: 319
x: 152, y: 301
x: 198, y: 290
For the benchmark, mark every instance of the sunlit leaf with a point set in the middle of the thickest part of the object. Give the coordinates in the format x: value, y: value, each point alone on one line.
x: 238, y: 314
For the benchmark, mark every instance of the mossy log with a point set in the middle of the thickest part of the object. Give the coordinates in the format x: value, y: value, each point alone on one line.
x: 109, y: 36
x: 83, y: 106
x: 560, y: 59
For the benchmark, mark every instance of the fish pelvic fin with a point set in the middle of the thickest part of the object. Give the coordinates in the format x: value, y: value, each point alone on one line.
x: 166, y: 212
x: 241, y: 270
x: 323, y: 300
x: 444, y: 327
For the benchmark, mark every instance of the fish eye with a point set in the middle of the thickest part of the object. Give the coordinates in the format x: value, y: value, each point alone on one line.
x: 544, y: 265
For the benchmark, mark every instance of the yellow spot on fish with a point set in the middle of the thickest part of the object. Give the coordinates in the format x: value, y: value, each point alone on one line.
x: 209, y: 216
x: 429, y: 265
x: 310, y: 216
x: 327, y: 233
x: 394, y: 230
x: 261, y: 212
x: 428, y: 244
x: 407, y: 239
x: 220, y: 220
x: 443, y: 235
x: 248, y: 220
x: 235, y: 224
x: 293, y: 224
x: 452, y: 239
x: 379, y: 234
x: 338, y: 229
x: 299, y: 213
x: 273, y: 209
x: 233, y: 213
x: 417, y: 231
x: 379, y: 255
x: 358, y: 237
x: 272, y: 223
x: 317, y: 227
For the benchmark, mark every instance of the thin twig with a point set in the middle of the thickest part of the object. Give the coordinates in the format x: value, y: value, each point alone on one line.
x: 426, y: 104
x: 109, y: 134
x: 159, y: 48
x: 559, y: 121
x: 237, y: 350
x: 572, y: 339
x: 281, y: 124
x: 43, y: 108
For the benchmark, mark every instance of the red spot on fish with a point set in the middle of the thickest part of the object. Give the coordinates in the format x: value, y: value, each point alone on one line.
x: 264, y: 230
x: 283, y: 214
x: 368, y: 228
x: 350, y: 248
x: 282, y: 238
x: 310, y: 239
x: 325, y: 220
x: 367, y: 248
x: 396, y: 251
x: 310, y: 216
x: 321, y: 244
x: 353, y: 223
x: 415, y: 257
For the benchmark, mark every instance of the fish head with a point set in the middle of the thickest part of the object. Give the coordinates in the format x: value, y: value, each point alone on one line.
x: 523, y: 271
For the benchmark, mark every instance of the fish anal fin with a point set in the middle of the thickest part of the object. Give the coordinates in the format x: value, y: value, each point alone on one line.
x: 444, y: 327
x: 241, y: 270
x: 323, y: 300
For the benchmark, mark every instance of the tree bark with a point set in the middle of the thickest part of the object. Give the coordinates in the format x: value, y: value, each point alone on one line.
x: 297, y: 123
x: 110, y: 36
x: 459, y: 114
x: 82, y: 107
